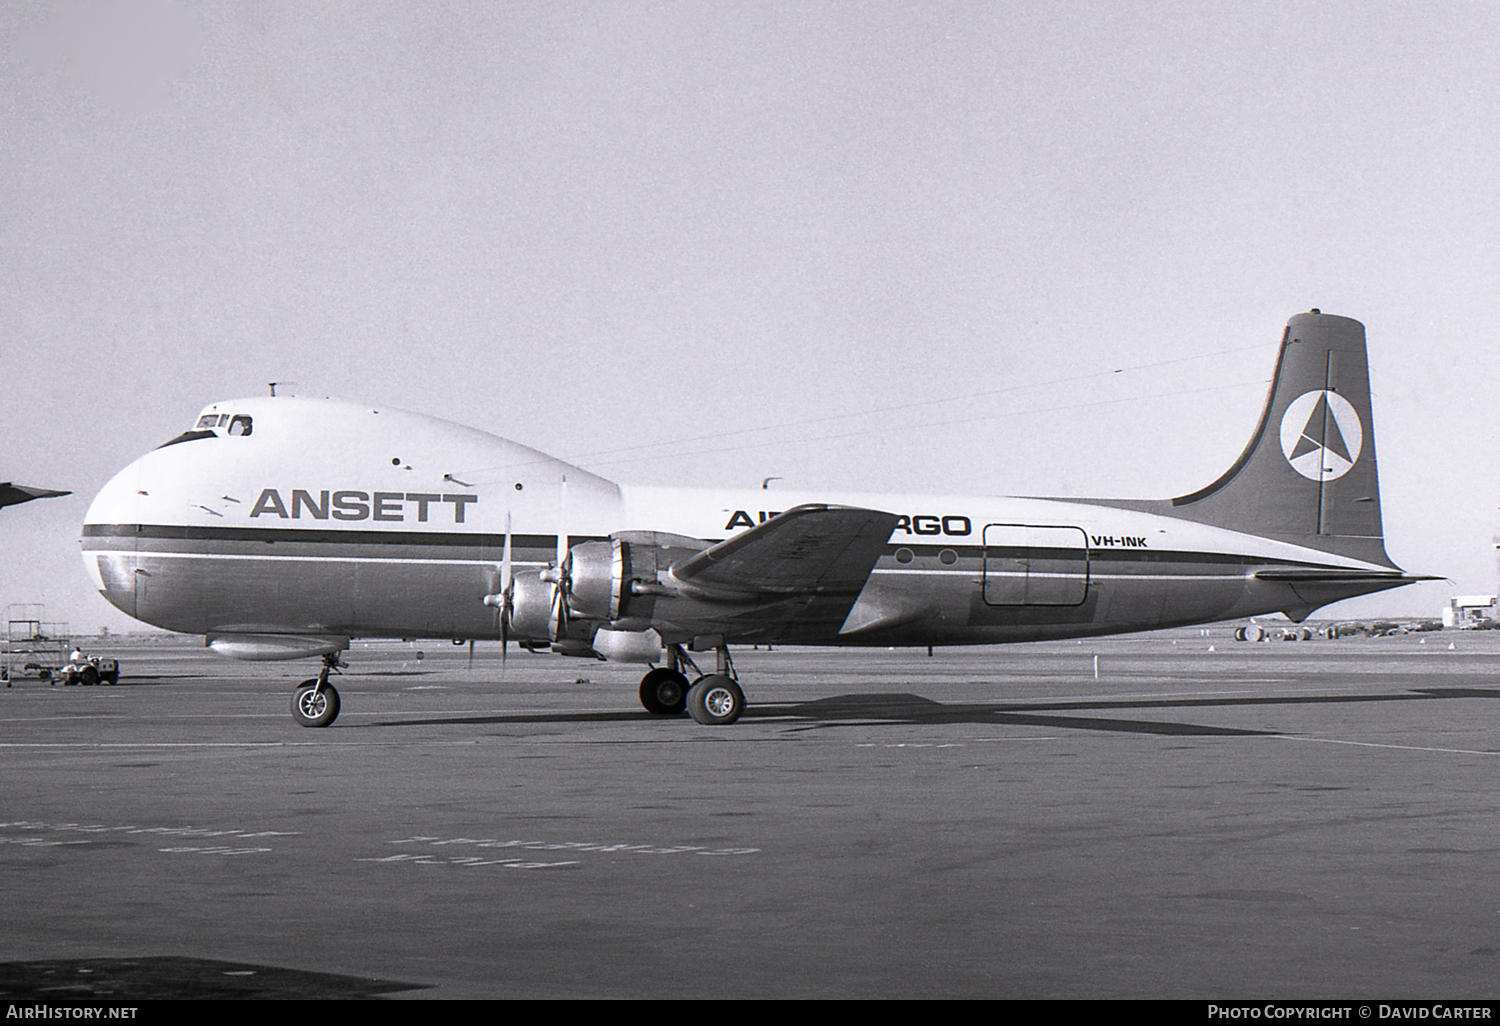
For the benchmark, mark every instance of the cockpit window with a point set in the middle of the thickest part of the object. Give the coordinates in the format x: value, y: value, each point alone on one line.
x: 239, y: 425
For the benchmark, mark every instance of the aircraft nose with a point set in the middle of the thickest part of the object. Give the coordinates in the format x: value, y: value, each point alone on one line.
x: 108, y: 543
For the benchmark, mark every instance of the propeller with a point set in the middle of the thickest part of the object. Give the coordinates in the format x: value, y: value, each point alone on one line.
x: 559, y: 580
x: 507, y: 596
x: 556, y: 575
x: 503, y: 600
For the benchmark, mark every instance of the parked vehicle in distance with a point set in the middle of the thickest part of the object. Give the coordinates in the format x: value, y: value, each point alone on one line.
x: 91, y: 670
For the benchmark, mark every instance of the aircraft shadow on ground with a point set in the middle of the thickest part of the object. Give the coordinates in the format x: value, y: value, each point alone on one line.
x: 911, y: 709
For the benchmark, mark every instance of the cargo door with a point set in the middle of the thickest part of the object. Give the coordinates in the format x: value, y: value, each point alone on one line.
x: 1035, y: 565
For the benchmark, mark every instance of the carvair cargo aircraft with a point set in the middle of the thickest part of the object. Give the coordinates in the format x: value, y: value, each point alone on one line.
x: 284, y: 527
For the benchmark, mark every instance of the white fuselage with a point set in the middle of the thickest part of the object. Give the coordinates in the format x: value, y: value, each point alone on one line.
x: 294, y: 516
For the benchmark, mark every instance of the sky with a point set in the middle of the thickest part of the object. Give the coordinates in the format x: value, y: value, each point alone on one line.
x: 1018, y: 248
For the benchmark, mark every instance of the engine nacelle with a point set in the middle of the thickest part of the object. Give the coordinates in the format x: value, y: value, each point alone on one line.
x: 618, y: 579
x: 597, y: 576
x: 532, y: 614
x: 613, y: 582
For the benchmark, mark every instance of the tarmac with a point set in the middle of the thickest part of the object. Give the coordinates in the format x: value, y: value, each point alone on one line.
x: 1175, y: 815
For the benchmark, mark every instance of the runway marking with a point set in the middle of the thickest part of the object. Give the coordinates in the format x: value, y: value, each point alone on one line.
x: 138, y: 745
x: 428, y: 860
x: 36, y: 838
x: 954, y: 744
x: 154, y: 744
x: 569, y: 847
x: 1377, y: 744
x: 917, y: 744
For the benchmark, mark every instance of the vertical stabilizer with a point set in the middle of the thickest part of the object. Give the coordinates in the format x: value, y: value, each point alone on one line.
x: 1308, y: 475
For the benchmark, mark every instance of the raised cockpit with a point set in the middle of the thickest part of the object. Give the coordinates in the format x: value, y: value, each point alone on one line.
x: 233, y: 424
x: 216, y: 425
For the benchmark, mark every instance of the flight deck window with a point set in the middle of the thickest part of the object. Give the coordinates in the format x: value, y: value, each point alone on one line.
x: 208, y: 421
x: 240, y: 424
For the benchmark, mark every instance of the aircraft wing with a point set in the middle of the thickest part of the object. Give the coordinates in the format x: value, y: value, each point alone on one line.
x: 809, y: 551
x: 11, y: 494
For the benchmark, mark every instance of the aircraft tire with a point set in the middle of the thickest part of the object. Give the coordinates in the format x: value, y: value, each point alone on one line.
x: 715, y: 700
x: 314, y: 708
x: 664, y: 692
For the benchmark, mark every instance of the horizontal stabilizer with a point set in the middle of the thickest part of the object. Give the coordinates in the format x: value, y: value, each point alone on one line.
x: 1325, y: 575
x: 11, y: 494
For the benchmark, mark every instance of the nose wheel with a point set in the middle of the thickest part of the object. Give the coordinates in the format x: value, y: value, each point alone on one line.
x: 315, y: 703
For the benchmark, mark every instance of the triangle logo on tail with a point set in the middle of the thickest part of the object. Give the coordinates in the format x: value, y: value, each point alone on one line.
x: 1321, y: 435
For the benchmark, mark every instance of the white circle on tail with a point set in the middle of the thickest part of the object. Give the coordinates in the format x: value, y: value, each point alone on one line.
x: 1321, y: 435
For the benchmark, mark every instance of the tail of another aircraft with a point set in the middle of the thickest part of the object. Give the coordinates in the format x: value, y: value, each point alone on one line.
x: 1308, y: 475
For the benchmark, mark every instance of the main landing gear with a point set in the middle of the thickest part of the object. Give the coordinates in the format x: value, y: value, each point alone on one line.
x: 711, y: 699
x: 315, y: 703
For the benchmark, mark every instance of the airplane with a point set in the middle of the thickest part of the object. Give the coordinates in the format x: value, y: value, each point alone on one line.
x: 284, y: 527
x: 14, y: 494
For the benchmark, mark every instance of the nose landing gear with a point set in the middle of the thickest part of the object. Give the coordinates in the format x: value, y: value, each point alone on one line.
x: 315, y: 703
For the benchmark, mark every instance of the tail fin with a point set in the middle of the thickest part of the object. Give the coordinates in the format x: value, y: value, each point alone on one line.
x: 1308, y: 475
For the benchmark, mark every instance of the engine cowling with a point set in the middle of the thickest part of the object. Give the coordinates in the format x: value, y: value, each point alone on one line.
x: 618, y: 579
x: 596, y: 579
x: 533, y: 610
x: 534, y: 598
x: 611, y: 584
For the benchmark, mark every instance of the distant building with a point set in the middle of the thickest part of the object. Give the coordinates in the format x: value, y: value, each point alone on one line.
x: 1470, y: 611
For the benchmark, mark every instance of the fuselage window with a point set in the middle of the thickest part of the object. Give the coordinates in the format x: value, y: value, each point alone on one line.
x: 240, y: 424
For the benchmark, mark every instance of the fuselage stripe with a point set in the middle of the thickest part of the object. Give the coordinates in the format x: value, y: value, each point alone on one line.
x: 492, y: 543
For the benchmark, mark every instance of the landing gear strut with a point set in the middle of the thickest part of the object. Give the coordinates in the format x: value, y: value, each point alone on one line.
x: 316, y: 702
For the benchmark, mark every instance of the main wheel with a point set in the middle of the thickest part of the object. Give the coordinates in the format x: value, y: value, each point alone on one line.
x: 313, y: 706
x: 715, y: 699
x: 664, y: 692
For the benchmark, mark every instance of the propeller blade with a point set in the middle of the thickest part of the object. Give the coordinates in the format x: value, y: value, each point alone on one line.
x: 562, y: 521
x: 507, y: 596
x: 559, y: 599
